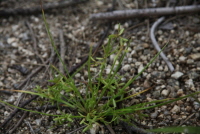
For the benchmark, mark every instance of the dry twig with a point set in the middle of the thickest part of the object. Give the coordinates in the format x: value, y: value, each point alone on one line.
x: 34, y: 42
x: 37, y: 9
x: 129, y: 14
x: 153, y: 39
x: 133, y: 129
x: 19, y: 122
x: 62, y: 51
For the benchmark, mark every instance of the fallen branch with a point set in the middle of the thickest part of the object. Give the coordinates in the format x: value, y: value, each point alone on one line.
x: 62, y: 52
x: 133, y: 129
x: 37, y: 9
x: 18, y: 123
x: 17, y: 110
x: 129, y: 14
x: 155, y: 43
x: 34, y: 42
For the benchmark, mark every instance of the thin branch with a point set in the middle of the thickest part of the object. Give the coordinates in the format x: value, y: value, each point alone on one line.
x: 19, y: 122
x: 153, y: 39
x: 34, y: 42
x: 134, y: 129
x: 37, y: 9
x: 72, y: 132
x: 17, y: 110
x: 110, y: 129
x: 62, y: 51
x: 31, y: 75
x: 129, y: 14
x: 27, y: 101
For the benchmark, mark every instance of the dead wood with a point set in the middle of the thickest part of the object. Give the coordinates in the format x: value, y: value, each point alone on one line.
x: 19, y: 122
x: 34, y: 42
x: 155, y: 43
x: 133, y: 129
x: 62, y: 51
x: 130, y: 14
x: 17, y: 110
x: 37, y: 9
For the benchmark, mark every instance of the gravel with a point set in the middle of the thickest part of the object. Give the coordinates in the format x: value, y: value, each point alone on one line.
x: 183, y: 50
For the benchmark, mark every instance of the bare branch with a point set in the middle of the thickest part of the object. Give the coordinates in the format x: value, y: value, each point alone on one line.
x: 37, y: 9
x: 127, y: 14
x: 62, y: 51
x: 153, y: 39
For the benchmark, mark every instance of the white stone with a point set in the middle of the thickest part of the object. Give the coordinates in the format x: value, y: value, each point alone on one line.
x: 180, y: 92
x: 137, y: 64
x: 78, y: 75
x: 99, y: 3
x: 141, y: 67
x: 160, y: 68
x: 95, y: 128
x: 6, y: 113
x: 195, y: 56
x: 130, y: 60
x: 112, y: 57
x: 11, y: 40
x: 11, y: 99
x: 126, y: 67
x: 165, y: 92
x: 177, y: 75
x: 133, y: 53
x: 190, y: 61
x: 38, y: 122
x: 93, y: 70
x: 78, y: 60
x: 175, y: 109
x: 182, y: 59
x: 14, y: 44
x: 189, y: 83
x: 108, y: 71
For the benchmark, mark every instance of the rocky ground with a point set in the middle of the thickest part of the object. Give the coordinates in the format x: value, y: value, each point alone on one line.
x: 25, y: 47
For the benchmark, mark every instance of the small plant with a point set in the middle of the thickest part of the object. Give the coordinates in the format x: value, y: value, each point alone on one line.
x: 99, y: 99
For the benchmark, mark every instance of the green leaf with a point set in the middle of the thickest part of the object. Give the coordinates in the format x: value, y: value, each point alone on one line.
x: 114, y: 103
x: 121, y: 31
x: 112, y: 36
x: 124, y: 39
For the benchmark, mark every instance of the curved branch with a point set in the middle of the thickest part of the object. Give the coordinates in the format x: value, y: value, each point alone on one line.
x: 153, y: 39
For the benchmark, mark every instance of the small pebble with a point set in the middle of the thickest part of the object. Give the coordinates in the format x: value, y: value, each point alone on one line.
x: 154, y: 115
x: 78, y: 75
x: 165, y: 92
x: 141, y: 67
x: 38, y: 122
x: 190, y: 61
x: 108, y: 71
x: 195, y: 56
x: 112, y: 57
x: 193, y: 75
x: 189, y: 83
x: 177, y: 75
x: 182, y: 59
x: 175, y: 109
x: 180, y: 92
x: 126, y: 67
